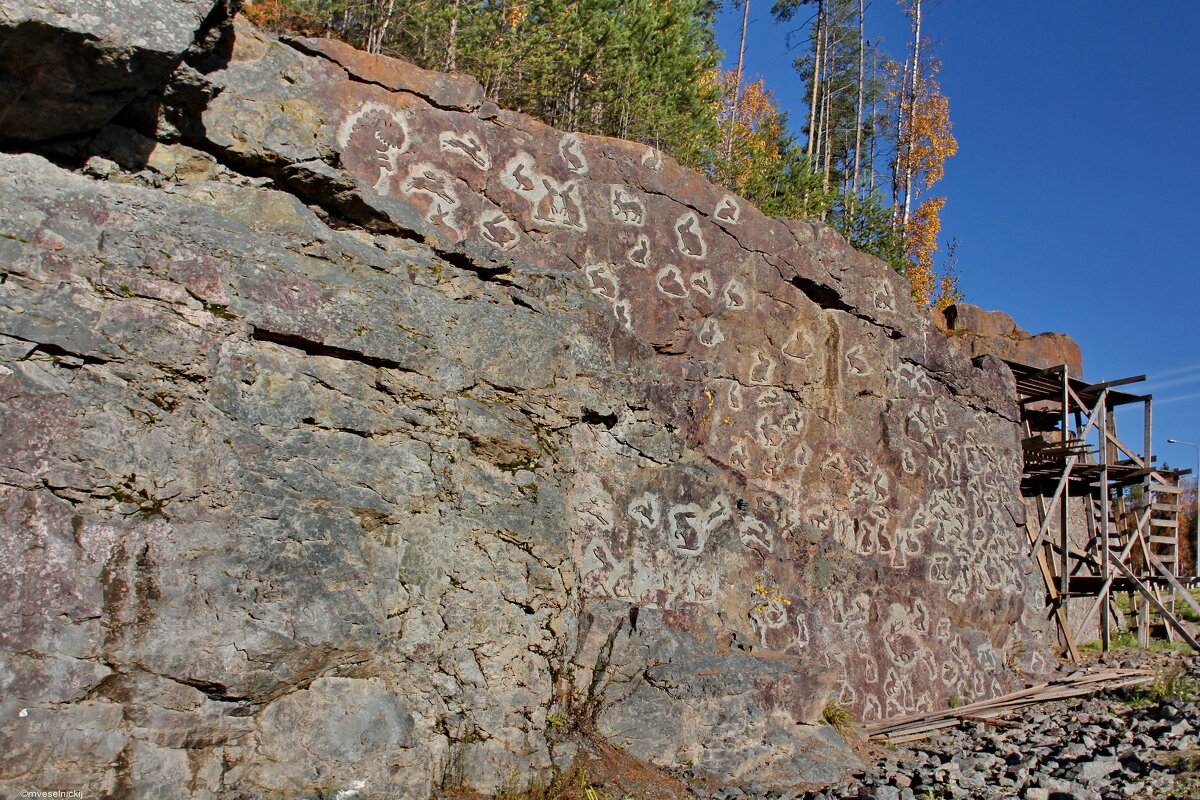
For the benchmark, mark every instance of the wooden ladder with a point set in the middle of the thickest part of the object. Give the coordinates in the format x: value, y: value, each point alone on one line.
x: 1162, y: 499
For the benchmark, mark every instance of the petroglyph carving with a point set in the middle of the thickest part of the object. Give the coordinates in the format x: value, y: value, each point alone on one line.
x: 689, y: 526
x: 835, y: 462
x: 646, y: 511
x: 738, y: 457
x: 939, y: 568
x: 553, y: 203
x: 801, y: 454
x: 769, y: 397
x: 626, y: 207
x: 802, y: 636
x: 873, y: 534
x: 899, y: 637
x: 670, y: 282
x: 898, y: 693
x: 710, y: 333
x: 702, y: 282
x: 771, y: 615
x: 735, y: 295
x: 570, y: 147
x: 768, y: 432
x: 601, y: 570
x: 467, y: 145
x: 498, y: 229
x: 755, y: 534
x: 560, y: 205
x: 688, y: 236
x: 521, y: 175
x: 595, y: 505
x: 857, y: 362
x: 375, y: 135
x: 762, y: 367
x: 652, y: 159
x: 798, y: 346
x: 735, y: 397
x: 602, y: 280
x: 728, y: 210
x: 870, y: 669
x: 438, y: 186
x: 639, y: 254
x: 623, y: 314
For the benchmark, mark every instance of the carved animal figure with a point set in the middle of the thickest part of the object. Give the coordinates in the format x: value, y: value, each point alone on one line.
x: 728, y: 210
x: 572, y: 153
x: 522, y: 180
x: 689, y: 236
x: 627, y: 210
x: 428, y: 181
x: 498, y: 232
x: 471, y: 149
x: 640, y: 253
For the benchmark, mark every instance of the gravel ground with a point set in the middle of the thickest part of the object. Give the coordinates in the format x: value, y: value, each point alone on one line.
x: 1116, y: 745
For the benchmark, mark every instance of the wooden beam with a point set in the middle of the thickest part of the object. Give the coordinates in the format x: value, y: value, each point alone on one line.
x: 1148, y: 597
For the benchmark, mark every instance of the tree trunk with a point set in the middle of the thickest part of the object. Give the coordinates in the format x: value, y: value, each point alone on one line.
x: 912, y: 109
x: 737, y: 81
x: 451, y: 62
x: 813, y: 122
x: 379, y: 30
x: 858, y: 120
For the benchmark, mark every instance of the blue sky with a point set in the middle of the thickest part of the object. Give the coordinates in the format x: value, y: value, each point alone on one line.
x: 1073, y: 194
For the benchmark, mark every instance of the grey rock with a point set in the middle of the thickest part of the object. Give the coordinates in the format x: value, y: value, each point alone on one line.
x: 337, y: 449
x: 69, y: 66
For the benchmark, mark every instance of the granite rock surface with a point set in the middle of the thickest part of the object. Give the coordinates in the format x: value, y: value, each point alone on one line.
x: 361, y: 436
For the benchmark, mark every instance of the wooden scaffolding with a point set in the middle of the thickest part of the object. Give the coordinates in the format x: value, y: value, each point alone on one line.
x: 1101, y: 519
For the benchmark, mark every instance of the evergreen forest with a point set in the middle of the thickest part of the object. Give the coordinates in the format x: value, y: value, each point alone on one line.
x: 865, y: 158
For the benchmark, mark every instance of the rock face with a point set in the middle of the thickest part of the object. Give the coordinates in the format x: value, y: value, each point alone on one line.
x: 72, y: 65
x: 360, y: 436
x: 976, y: 332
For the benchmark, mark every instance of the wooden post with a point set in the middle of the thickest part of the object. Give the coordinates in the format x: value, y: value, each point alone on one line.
x: 1102, y: 491
x: 1064, y: 577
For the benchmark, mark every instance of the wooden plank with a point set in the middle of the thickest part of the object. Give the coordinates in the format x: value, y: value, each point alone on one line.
x: 1175, y: 584
x: 1166, y: 489
x: 915, y: 725
x: 1167, y: 615
x: 1136, y: 459
x: 1163, y: 540
x: 1095, y: 387
x: 1165, y: 523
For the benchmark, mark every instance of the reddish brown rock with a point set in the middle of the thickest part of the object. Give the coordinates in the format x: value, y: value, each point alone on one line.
x: 420, y: 437
x: 976, y: 332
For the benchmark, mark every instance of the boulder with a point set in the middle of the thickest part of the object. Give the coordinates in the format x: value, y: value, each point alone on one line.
x: 70, y: 66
